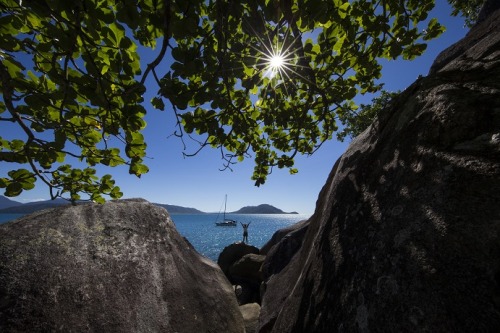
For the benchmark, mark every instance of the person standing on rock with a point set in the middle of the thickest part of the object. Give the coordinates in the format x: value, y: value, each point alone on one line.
x: 245, y: 231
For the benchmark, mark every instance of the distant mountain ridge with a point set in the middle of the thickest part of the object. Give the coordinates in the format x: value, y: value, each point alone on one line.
x: 172, y: 209
x: 8, y: 206
x: 15, y: 207
x: 5, y: 203
x: 261, y: 209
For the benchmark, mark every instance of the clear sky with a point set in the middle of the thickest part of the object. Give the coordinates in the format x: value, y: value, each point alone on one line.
x: 197, y: 182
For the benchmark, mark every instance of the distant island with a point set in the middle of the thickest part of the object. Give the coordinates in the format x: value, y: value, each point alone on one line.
x: 172, y: 209
x: 261, y: 209
x: 8, y: 206
x: 5, y: 202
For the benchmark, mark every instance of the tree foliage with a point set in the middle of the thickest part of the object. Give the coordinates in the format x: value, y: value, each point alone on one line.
x: 357, y: 120
x: 72, y: 79
x: 468, y: 9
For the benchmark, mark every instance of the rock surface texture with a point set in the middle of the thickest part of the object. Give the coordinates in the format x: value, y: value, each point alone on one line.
x: 248, y: 268
x: 250, y: 314
x: 406, y: 232
x: 282, y: 247
x: 241, y: 263
x: 117, y: 267
x: 281, y: 233
x: 232, y: 253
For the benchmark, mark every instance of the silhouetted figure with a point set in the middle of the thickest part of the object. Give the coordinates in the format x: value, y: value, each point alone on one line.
x: 245, y: 231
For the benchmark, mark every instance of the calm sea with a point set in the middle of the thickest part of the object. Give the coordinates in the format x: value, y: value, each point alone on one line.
x: 209, y: 240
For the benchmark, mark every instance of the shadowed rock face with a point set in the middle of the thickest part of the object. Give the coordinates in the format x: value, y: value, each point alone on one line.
x: 406, y: 232
x: 232, y: 253
x: 117, y: 267
x: 248, y: 268
x: 282, y: 247
x: 281, y: 233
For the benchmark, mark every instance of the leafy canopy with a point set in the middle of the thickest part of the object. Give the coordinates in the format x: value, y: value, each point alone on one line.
x: 72, y: 79
x: 356, y: 121
x: 468, y: 9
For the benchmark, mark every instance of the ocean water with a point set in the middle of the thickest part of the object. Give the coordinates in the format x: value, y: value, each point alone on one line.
x: 209, y: 240
x: 9, y: 217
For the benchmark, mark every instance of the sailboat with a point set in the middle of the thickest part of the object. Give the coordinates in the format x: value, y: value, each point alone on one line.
x: 225, y: 222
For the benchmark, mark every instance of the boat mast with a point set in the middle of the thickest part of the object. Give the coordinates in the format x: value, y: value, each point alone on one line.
x: 225, y: 201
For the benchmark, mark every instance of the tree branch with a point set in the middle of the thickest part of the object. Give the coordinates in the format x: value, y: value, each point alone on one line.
x: 164, y: 46
x: 7, y: 97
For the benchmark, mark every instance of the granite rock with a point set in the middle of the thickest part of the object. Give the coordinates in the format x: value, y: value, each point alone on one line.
x: 117, y: 267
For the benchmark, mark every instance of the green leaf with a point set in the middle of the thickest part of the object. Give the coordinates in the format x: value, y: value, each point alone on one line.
x: 138, y: 169
x: 343, y: 10
x: 157, y: 103
x: 116, y: 193
x: 13, y: 189
x: 434, y: 29
x: 14, y: 67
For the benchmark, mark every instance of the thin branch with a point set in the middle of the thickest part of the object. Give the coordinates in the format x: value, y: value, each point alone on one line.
x: 164, y: 46
x: 7, y: 97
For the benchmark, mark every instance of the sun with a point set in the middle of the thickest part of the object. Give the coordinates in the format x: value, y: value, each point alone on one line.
x: 276, y: 58
x: 276, y: 62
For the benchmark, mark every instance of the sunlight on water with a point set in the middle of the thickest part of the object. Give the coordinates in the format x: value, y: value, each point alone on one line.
x: 210, y: 240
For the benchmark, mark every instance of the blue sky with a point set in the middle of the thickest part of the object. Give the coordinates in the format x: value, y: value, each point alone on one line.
x: 197, y: 182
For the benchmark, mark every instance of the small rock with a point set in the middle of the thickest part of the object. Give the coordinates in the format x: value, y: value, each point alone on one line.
x: 250, y: 314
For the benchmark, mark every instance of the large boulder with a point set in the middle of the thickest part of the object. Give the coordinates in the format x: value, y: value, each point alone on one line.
x: 282, y: 247
x: 117, y: 267
x: 232, y: 253
x: 279, y: 234
x: 248, y: 268
x: 241, y: 264
x: 247, y: 275
x: 406, y: 232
